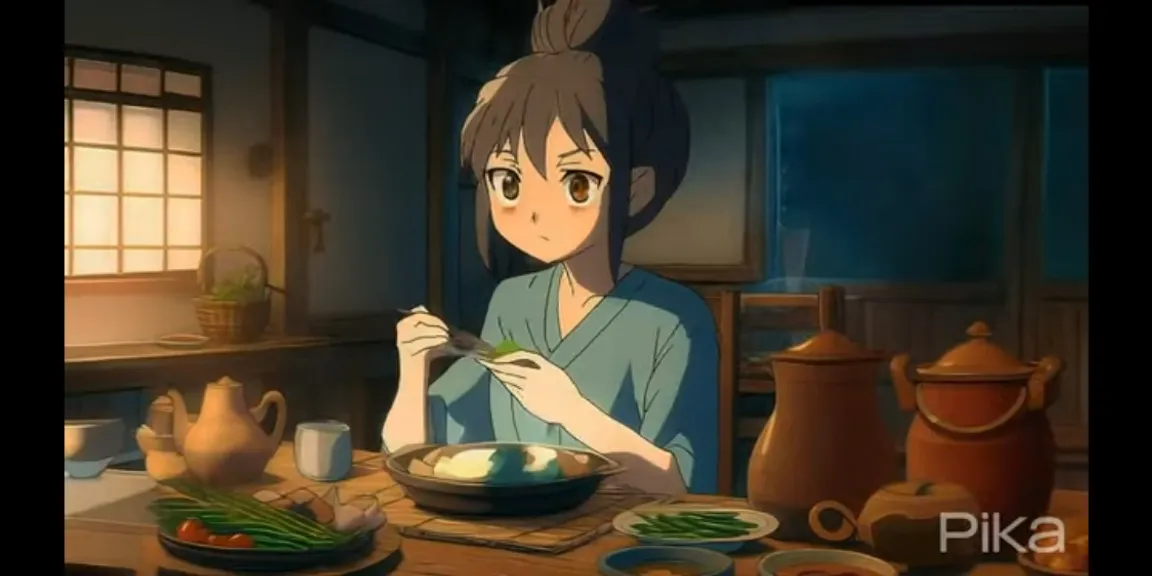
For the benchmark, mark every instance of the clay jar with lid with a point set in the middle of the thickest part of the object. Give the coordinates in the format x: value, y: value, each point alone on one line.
x: 981, y: 423
x: 826, y: 439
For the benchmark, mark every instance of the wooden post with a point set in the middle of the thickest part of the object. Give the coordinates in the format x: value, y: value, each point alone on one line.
x: 288, y: 258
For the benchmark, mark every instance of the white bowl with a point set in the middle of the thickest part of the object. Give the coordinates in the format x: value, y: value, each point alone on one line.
x: 90, y: 445
x: 776, y: 561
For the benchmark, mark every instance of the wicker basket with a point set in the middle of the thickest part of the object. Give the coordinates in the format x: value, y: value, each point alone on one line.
x: 232, y: 322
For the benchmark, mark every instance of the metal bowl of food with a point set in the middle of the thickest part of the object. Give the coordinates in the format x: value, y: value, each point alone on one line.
x: 499, y: 478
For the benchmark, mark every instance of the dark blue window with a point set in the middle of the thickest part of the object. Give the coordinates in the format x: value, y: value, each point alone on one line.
x: 896, y: 175
x: 1065, y: 203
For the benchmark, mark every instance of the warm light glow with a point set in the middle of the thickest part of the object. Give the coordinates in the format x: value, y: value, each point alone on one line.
x: 133, y: 184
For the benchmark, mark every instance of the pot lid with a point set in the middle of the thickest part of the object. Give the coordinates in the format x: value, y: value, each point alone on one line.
x: 979, y: 356
x: 827, y: 346
x: 926, y: 490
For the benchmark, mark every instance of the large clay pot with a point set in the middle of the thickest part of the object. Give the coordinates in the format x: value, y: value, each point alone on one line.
x: 981, y: 423
x: 825, y: 440
x: 225, y: 446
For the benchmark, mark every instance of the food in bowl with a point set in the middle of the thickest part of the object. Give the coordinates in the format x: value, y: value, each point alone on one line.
x: 665, y: 568
x: 694, y: 525
x: 823, y: 562
x: 825, y: 569
x: 507, y: 464
x: 1074, y: 556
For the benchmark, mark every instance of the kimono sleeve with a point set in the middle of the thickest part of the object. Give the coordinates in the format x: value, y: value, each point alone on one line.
x: 458, y: 401
x: 681, y: 404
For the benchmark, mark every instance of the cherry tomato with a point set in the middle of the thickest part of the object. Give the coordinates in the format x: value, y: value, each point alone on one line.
x: 192, y: 530
x: 240, y: 541
x: 217, y: 540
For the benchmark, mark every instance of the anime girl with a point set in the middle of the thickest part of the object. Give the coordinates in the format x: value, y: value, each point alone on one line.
x: 575, y: 147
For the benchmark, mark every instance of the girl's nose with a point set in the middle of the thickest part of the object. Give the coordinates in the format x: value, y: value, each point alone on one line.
x: 535, y: 217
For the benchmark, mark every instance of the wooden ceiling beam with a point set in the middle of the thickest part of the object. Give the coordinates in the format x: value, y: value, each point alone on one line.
x: 361, y: 25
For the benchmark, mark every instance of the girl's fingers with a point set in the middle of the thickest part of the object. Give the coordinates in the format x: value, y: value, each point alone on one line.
x: 425, y: 342
x: 502, y: 372
x: 415, y: 321
x: 420, y: 331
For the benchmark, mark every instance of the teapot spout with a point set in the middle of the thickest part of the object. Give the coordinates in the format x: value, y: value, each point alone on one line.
x: 180, y: 420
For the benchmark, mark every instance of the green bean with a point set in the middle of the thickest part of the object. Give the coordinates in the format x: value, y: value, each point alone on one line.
x: 729, y: 524
x: 717, y: 533
x: 283, y: 520
x: 702, y: 514
x: 243, y: 514
x: 682, y: 523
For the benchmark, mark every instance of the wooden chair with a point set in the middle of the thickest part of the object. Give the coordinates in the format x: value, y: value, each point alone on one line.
x: 735, y: 313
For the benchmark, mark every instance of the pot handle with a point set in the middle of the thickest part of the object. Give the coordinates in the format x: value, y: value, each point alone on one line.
x: 847, y: 528
x: 901, y: 383
x: 1042, y: 391
x: 1020, y: 403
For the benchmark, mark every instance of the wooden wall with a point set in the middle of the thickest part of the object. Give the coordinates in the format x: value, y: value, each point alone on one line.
x: 1061, y: 329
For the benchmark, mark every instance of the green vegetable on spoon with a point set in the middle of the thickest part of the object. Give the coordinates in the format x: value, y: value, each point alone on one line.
x: 505, y: 348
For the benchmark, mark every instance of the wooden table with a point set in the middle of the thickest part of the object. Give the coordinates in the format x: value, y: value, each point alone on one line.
x: 108, y: 545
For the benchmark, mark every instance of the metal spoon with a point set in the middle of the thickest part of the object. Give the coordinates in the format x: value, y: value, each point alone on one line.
x: 464, y: 343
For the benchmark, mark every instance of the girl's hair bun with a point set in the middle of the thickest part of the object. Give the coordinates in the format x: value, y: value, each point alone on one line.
x: 601, y: 27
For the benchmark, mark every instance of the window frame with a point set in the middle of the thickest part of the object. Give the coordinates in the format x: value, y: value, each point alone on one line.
x: 1026, y: 50
x: 181, y: 281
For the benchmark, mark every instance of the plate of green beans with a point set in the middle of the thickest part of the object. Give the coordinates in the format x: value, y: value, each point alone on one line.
x: 720, y: 529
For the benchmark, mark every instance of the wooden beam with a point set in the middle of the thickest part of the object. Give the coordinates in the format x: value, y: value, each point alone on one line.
x: 361, y: 25
x: 439, y: 142
x: 288, y: 261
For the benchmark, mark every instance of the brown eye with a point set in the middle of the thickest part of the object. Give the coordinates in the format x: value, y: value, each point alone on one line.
x: 581, y: 187
x: 506, y: 183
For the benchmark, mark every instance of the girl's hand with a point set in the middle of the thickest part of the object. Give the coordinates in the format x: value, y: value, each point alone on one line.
x: 420, y: 335
x: 542, y: 387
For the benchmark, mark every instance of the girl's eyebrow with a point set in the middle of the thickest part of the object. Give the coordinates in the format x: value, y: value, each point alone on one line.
x: 566, y: 159
x: 589, y: 152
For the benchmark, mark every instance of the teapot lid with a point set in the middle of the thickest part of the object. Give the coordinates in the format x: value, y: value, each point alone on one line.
x: 979, y: 356
x: 827, y: 346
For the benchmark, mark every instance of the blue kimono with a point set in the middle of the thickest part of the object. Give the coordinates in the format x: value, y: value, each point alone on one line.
x: 646, y: 355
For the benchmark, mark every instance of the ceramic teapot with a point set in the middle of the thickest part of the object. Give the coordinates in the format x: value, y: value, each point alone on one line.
x: 224, y: 445
x: 901, y: 523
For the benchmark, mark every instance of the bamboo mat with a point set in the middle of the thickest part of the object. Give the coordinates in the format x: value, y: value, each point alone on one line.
x: 552, y: 534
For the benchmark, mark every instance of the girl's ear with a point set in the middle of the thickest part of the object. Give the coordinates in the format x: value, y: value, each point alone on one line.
x: 643, y: 189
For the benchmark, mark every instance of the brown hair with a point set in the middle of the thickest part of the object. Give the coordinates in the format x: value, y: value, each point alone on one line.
x: 593, y: 68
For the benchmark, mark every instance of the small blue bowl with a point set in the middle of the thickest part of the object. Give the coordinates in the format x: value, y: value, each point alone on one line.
x: 706, y: 562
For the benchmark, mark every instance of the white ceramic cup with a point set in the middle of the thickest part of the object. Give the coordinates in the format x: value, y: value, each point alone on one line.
x: 323, y: 450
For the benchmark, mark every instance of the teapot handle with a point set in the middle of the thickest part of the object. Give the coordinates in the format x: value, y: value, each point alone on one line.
x: 1042, y: 391
x: 848, y: 525
x: 905, y: 389
x: 273, y: 398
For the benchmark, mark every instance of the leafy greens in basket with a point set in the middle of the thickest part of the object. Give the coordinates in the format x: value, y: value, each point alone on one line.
x: 297, y: 521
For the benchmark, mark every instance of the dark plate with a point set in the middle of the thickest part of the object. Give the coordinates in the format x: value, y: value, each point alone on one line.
x: 464, y: 498
x: 253, y: 560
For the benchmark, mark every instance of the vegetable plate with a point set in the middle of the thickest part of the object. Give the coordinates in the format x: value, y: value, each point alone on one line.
x: 719, y: 529
x: 266, y: 531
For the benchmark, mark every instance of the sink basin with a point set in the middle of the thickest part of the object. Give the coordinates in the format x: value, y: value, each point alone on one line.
x: 90, y: 445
